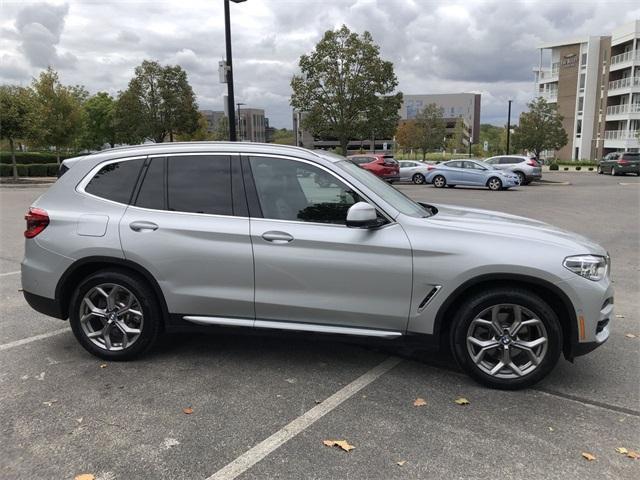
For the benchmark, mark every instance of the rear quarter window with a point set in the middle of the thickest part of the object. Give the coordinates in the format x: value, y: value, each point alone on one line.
x: 115, y: 181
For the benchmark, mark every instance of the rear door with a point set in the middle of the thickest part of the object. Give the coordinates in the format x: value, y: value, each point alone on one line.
x: 309, y: 267
x: 455, y: 172
x: 474, y: 174
x: 188, y: 226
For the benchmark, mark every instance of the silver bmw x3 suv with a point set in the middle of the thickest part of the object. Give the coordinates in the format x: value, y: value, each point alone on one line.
x: 136, y: 242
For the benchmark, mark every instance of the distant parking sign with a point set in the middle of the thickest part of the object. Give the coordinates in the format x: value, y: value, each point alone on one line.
x: 486, y: 146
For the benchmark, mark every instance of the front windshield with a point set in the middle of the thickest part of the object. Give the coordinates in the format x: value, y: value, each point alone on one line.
x: 395, y: 198
x: 486, y: 165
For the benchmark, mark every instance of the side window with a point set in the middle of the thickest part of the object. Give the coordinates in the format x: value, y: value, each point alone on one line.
x: 199, y: 184
x: 292, y: 190
x: 493, y: 161
x: 454, y: 164
x: 115, y: 181
x: 152, y: 191
x: 507, y: 160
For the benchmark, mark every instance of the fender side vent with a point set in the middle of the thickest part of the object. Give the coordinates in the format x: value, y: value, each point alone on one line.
x: 428, y: 298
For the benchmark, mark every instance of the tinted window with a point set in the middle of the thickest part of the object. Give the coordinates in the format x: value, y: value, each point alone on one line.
x: 361, y: 160
x: 506, y: 160
x: 631, y: 156
x: 454, y: 164
x: 473, y: 166
x: 115, y: 181
x: 493, y: 161
x: 291, y: 190
x: 152, y: 191
x: 199, y: 184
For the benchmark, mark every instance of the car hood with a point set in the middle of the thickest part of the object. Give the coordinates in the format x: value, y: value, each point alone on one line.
x: 504, y: 224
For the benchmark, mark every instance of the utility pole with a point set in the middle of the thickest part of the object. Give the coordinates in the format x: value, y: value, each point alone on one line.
x: 508, y: 126
x: 229, y: 67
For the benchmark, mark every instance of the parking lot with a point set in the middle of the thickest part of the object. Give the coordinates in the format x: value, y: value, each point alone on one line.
x: 64, y: 412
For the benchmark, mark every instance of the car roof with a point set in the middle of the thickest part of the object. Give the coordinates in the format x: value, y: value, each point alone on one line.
x: 195, y: 147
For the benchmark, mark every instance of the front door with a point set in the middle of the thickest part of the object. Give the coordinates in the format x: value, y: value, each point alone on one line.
x: 186, y: 229
x: 310, y: 267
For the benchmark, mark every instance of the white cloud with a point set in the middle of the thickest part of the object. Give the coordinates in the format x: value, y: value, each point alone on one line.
x: 471, y: 45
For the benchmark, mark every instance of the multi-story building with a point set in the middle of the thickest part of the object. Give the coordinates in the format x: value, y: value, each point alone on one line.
x: 213, y: 119
x: 251, y: 125
x: 595, y: 84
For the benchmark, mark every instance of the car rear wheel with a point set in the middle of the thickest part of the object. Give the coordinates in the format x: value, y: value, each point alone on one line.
x: 418, y: 179
x: 439, y: 181
x: 614, y: 172
x: 506, y: 338
x: 114, y: 315
x: 600, y: 172
x: 522, y: 178
x: 494, y: 184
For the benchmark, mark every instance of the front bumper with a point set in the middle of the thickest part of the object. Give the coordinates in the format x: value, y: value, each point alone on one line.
x: 391, y: 178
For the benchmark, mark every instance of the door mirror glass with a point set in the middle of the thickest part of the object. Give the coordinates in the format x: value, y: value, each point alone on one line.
x: 362, y: 215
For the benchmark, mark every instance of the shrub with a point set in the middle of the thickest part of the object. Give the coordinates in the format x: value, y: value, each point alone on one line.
x: 26, y: 158
x: 578, y: 168
x: 52, y: 170
x: 566, y: 168
x: 554, y: 166
x: 591, y: 169
x: 5, y: 170
x: 37, y: 170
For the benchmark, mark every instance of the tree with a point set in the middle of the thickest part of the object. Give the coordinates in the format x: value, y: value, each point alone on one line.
x: 456, y: 141
x: 99, y: 126
x: 200, y: 134
x: 540, y: 129
x: 342, y: 81
x: 407, y: 135
x: 15, y: 110
x: 495, y: 137
x: 221, y: 132
x: 380, y: 120
x: 284, y: 137
x: 158, y: 102
x: 57, y: 118
x: 431, y: 129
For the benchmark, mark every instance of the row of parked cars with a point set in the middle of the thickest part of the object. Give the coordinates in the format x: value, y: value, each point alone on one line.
x: 495, y: 173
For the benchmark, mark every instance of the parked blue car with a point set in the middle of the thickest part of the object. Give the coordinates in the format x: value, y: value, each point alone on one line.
x: 471, y: 172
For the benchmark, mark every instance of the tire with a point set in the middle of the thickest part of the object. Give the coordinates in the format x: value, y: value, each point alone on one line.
x: 418, y: 179
x: 121, y: 285
x: 522, y: 177
x: 494, y: 184
x: 468, y: 323
x: 600, y: 172
x: 527, y: 182
x: 439, y: 181
x: 614, y: 172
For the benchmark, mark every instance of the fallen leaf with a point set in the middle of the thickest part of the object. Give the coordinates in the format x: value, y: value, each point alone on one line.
x: 634, y: 455
x: 343, y: 444
x: 49, y: 403
x: 622, y: 450
x: 419, y: 402
x: 551, y: 429
x: 79, y: 419
x: 619, y: 316
x: 462, y: 401
x: 85, y: 476
x: 630, y: 335
x: 588, y: 456
x: 318, y: 401
x: 187, y: 410
x: 401, y: 462
x: 103, y: 365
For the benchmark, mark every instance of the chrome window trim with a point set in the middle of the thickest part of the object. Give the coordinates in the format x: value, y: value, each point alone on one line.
x: 330, y: 172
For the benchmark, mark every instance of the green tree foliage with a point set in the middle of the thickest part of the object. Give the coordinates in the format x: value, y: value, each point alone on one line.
x: 495, y: 137
x: 343, y: 82
x: 200, y: 134
x: 15, y: 112
x: 431, y: 129
x: 158, y: 102
x: 99, y: 121
x: 221, y: 132
x: 284, y: 136
x: 540, y: 129
x: 455, y: 142
x: 57, y: 118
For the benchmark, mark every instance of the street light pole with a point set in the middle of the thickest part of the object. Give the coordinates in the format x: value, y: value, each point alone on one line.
x: 230, y: 100
x: 508, y: 126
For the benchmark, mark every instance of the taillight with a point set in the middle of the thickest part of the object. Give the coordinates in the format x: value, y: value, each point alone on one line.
x: 622, y: 161
x: 430, y: 167
x: 37, y: 220
x: 532, y: 162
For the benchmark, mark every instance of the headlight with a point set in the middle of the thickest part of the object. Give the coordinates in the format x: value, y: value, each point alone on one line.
x: 592, y: 267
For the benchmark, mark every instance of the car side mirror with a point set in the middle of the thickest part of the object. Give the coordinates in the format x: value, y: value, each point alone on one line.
x: 362, y: 215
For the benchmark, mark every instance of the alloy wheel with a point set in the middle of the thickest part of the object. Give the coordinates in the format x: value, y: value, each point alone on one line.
x: 521, y: 177
x: 507, y: 341
x: 418, y: 179
x: 495, y: 184
x: 111, y: 317
x: 439, y: 181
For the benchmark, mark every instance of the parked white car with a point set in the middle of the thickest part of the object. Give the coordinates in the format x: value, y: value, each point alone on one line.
x: 415, y: 171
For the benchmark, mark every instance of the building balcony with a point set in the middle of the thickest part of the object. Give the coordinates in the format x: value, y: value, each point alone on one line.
x: 621, y: 139
x: 624, y: 60
x: 623, y: 110
x: 617, y: 87
x: 550, y: 96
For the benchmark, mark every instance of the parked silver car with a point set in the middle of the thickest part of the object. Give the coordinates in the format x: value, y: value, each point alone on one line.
x: 527, y: 168
x: 134, y: 242
x: 414, y: 171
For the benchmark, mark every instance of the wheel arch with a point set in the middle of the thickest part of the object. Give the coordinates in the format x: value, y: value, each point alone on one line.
x: 549, y: 292
x: 86, y: 266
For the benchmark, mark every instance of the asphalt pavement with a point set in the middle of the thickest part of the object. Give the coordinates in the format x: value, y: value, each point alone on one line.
x: 262, y: 405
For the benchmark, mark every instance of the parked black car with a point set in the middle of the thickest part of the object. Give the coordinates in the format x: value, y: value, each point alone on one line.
x: 620, y: 163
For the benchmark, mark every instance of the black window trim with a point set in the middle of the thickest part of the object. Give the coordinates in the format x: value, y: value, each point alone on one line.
x: 255, y: 210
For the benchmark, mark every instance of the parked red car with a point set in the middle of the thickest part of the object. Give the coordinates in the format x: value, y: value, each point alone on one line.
x: 382, y: 165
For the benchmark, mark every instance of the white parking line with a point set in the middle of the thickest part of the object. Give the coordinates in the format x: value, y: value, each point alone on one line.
x: 9, y: 273
x: 24, y: 341
x: 252, y: 456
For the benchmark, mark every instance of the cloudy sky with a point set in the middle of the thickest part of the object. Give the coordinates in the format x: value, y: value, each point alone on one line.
x: 436, y: 46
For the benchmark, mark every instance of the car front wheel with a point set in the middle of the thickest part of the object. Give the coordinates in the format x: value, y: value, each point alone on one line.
x: 439, y: 181
x: 418, y: 179
x: 494, y: 184
x: 522, y: 178
x: 507, y: 338
x: 114, y: 315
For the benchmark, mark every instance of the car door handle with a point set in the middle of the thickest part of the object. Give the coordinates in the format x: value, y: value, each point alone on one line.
x: 142, y: 226
x: 277, y: 237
